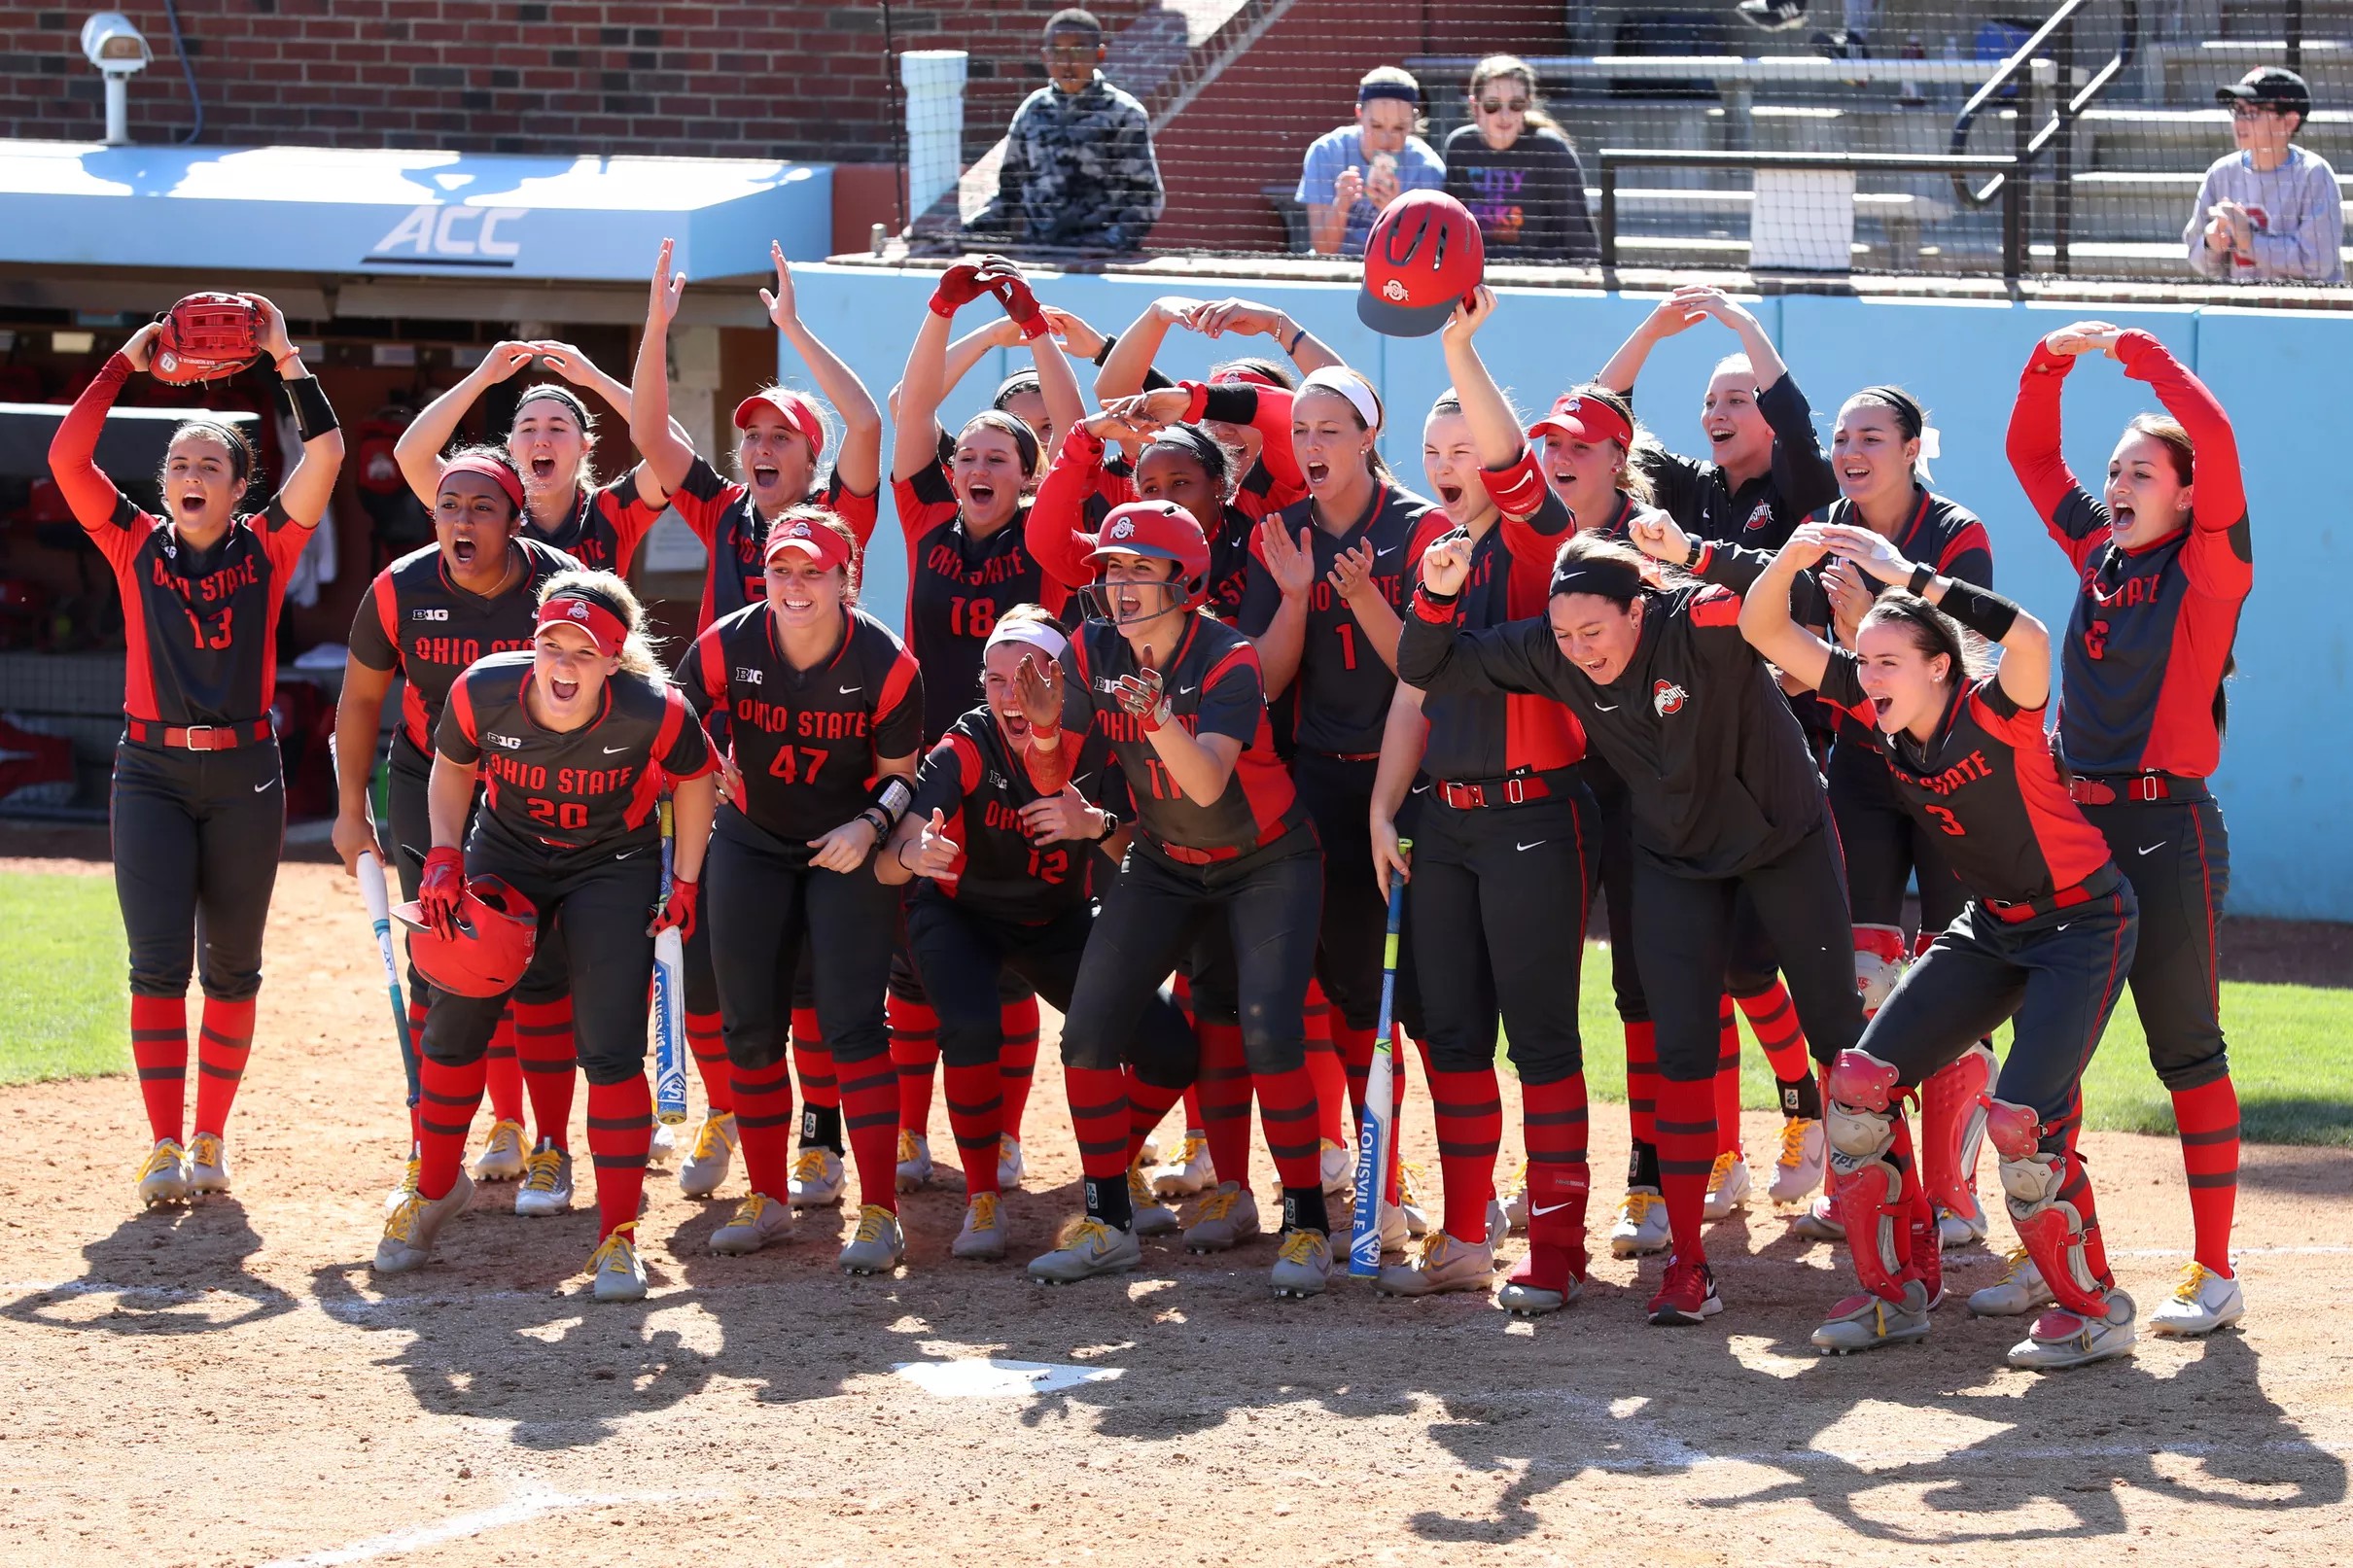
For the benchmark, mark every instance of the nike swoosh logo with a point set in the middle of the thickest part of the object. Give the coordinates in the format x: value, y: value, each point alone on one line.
x: 611, y: 751
x: 1525, y: 848
x: 1186, y: 691
x: 2154, y: 848
x: 846, y: 690
x: 266, y: 783
x: 1541, y: 1210
x: 1606, y: 706
x: 623, y: 855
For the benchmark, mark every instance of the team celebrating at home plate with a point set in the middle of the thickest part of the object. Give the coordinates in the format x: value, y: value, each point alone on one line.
x: 1260, y: 767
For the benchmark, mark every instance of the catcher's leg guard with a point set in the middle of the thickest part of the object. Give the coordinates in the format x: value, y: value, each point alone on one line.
x: 2049, y: 1227
x: 1878, y: 963
x: 1870, y: 1190
x: 1953, y: 1126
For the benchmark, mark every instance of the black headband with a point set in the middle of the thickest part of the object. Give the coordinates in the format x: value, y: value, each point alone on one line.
x: 1907, y: 410
x: 1372, y: 91
x: 1616, y: 580
x: 562, y: 395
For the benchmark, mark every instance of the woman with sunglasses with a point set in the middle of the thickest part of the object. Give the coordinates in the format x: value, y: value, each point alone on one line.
x: 1518, y: 172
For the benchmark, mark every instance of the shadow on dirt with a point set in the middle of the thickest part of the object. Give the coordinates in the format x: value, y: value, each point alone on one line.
x: 135, y: 1266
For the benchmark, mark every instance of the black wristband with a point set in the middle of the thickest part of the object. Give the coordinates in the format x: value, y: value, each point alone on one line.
x: 1441, y: 599
x: 1921, y: 577
x: 1111, y: 341
x: 1980, y: 609
x: 313, y: 415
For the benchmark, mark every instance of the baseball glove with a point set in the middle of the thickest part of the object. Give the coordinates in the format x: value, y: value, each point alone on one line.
x: 205, y: 336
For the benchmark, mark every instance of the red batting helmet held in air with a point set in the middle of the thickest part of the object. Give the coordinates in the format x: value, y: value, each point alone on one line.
x: 1165, y: 531
x: 496, y: 930
x: 1423, y: 257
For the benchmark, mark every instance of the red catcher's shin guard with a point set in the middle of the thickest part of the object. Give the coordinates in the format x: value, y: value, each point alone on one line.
x: 620, y: 1131
x: 1286, y: 1104
x: 451, y: 1096
x: 1467, y: 1111
x: 2050, y: 1203
x: 1225, y: 1100
x: 1147, y: 1104
x: 223, y: 1044
x: 1687, y: 1150
x: 1559, y: 1178
x: 543, y: 1040
x: 976, y: 1106
x: 1728, y: 1077
x: 1099, y: 1119
x: 706, y: 1038
x: 1643, y: 1081
x: 1557, y: 1195
x: 1773, y: 1017
x: 1953, y: 1105
x: 1878, y: 963
x: 914, y: 1054
x: 1017, y: 1063
x: 763, y: 1126
x: 505, y: 1082
x: 159, y: 1049
x: 2208, y: 1118
x: 869, y: 1114
x: 819, y: 1087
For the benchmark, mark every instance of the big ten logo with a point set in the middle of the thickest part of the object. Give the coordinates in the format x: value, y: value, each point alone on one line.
x: 467, y: 236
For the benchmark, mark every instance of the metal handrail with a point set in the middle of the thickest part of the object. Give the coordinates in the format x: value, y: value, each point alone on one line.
x: 2063, y: 115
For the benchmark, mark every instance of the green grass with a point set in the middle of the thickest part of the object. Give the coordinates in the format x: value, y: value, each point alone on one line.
x: 64, y: 1008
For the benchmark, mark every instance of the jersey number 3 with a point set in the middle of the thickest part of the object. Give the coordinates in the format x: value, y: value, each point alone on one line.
x: 1949, y: 824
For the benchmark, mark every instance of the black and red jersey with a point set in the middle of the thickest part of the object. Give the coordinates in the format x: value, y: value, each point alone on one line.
x: 1940, y: 532
x: 735, y: 536
x: 980, y: 788
x: 568, y: 793
x: 1987, y: 783
x: 603, y: 528
x: 805, y: 741
x: 1762, y: 515
x: 1344, y: 685
x: 2150, y: 635
x: 418, y: 624
x: 1213, y: 687
x: 956, y: 586
x: 202, y: 626
x: 1482, y: 735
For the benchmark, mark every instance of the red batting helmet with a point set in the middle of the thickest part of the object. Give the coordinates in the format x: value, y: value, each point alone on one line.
x: 1165, y: 531
x: 205, y: 336
x: 1423, y: 257
x: 496, y: 930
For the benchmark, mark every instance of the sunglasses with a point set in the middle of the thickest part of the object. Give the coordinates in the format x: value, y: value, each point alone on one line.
x: 1498, y: 106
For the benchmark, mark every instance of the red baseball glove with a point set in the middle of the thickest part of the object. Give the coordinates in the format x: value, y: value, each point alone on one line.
x: 205, y: 336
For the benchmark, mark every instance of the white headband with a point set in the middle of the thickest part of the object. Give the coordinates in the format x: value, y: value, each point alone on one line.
x: 1036, y: 633
x: 1339, y: 379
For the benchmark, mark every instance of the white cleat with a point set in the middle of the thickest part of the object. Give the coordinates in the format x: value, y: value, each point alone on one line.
x: 1797, y: 1171
x: 1010, y: 1168
x: 1817, y: 1221
x: 1395, y: 1237
x: 163, y: 1179
x: 1303, y: 1265
x: 502, y: 1156
x: 207, y: 1163
x: 705, y: 1168
x: 2061, y: 1339
x: 1728, y: 1186
x: 662, y: 1148
x: 1416, y: 1218
x: 878, y: 1247
x: 1513, y: 1202
x: 1188, y: 1171
x: 1149, y: 1216
x: 1443, y: 1265
x: 757, y: 1221
x: 1867, y: 1322
x: 1641, y: 1228
x: 1090, y: 1250
x: 2020, y: 1290
x: 410, y: 1229
x: 1223, y: 1220
x: 914, y: 1160
x: 984, y: 1228
x: 2203, y: 1302
x: 1339, y: 1166
x: 619, y: 1272
x: 816, y: 1179
x: 1954, y: 1229
x: 546, y: 1187
x: 1149, y: 1154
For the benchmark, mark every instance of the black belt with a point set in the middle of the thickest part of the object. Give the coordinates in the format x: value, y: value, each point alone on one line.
x: 198, y: 736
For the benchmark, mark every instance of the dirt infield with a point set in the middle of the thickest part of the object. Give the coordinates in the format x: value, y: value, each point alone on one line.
x: 229, y: 1385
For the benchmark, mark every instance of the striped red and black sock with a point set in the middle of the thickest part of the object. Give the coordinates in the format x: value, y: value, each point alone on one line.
x: 452, y: 1095
x: 1326, y: 1070
x: 1017, y: 1063
x: 1099, y: 1119
x: 820, y: 1084
x: 707, y: 1038
x: 1728, y: 1077
x: 1147, y: 1104
x: 620, y: 1131
x: 1687, y: 1150
x: 869, y: 1115
x: 914, y: 1055
x: 976, y: 1107
x: 1225, y: 1100
x: 2075, y: 1187
x: 416, y: 1046
x: 764, y: 1126
x: 1466, y: 1108
x: 1643, y: 1081
x: 1191, y: 1099
x: 1356, y: 1048
x: 223, y: 1043
x: 543, y: 1042
x: 1286, y: 1104
x: 2208, y: 1118
x: 159, y: 1049
x: 505, y: 1086
x: 1773, y: 1017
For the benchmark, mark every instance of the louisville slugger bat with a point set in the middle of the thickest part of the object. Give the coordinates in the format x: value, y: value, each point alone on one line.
x: 1379, y: 1131
x: 379, y: 916
x: 669, y: 1008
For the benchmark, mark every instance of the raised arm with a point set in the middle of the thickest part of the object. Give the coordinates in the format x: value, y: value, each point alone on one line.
x: 1127, y: 369
x: 2025, y: 673
x: 860, y: 459
x: 1666, y: 319
x: 310, y: 486
x: 666, y: 451
x: 73, y: 450
x: 419, y: 449
x: 1234, y: 315
x: 915, y: 434
x: 2221, y: 497
x: 1055, y: 531
x: 2069, y: 512
x: 1433, y: 654
x: 1765, y: 618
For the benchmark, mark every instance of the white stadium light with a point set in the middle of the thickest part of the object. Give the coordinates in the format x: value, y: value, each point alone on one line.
x: 120, y: 51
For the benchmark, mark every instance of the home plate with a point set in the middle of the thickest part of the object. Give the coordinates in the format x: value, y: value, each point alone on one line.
x: 988, y: 1377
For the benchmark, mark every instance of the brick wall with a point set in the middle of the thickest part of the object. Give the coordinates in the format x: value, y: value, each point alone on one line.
x: 530, y: 75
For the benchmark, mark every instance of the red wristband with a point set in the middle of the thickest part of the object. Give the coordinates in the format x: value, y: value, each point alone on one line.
x: 1517, y: 487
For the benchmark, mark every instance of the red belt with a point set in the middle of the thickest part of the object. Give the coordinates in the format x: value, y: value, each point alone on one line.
x: 198, y: 736
x: 1186, y: 855
x: 2099, y: 884
x: 1518, y: 791
x: 1350, y: 756
x: 2140, y: 786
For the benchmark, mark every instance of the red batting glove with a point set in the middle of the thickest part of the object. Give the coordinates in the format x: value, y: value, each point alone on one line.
x: 1013, y: 291
x: 442, y: 889
x: 957, y: 287
x: 678, y: 910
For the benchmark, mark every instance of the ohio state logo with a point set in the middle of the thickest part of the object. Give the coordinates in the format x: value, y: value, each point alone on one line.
x: 798, y: 530
x: 1759, y: 519
x: 1394, y: 290
x: 577, y: 609
x: 1668, y: 698
x: 1122, y: 529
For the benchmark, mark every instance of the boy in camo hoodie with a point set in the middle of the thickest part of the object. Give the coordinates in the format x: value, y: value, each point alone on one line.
x: 1078, y: 168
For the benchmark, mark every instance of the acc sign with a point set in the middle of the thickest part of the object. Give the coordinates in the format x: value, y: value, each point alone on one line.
x: 449, y: 237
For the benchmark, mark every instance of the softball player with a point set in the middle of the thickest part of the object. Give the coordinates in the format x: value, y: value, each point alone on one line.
x: 823, y: 709
x: 1503, y: 862
x: 1653, y: 666
x: 573, y: 740
x: 196, y: 804
x: 426, y: 617
x: 2163, y: 560
x: 2043, y: 943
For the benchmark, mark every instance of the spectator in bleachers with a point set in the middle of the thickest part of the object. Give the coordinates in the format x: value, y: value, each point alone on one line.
x: 1079, y: 171
x: 2270, y: 212
x: 1352, y: 173
x: 1518, y: 172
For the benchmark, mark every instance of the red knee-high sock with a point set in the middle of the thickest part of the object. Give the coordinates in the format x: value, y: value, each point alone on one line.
x: 1687, y: 1149
x: 505, y: 1082
x: 975, y: 1116
x: 1225, y: 1100
x: 159, y: 1049
x: 1773, y: 1017
x: 620, y: 1131
x: 1017, y: 1063
x: 417, y: 1044
x: 1356, y: 1048
x: 1728, y: 1077
x: 1466, y: 1108
x: 1099, y: 1119
x: 706, y: 1037
x: 1327, y: 1072
x: 223, y: 1043
x: 451, y: 1096
x: 762, y: 1101
x: 542, y: 1041
x: 1402, y: 1054
x: 869, y: 1114
x: 1286, y: 1104
x: 1192, y: 1108
x: 914, y: 1054
x: 1147, y: 1104
x: 820, y: 1085
x: 2207, y: 1116
x: 1643, y: 1081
